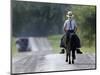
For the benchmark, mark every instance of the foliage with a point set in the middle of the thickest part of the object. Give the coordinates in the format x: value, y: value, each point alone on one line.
x: 86, y: 20
x: 32, y: 18
x: 42, y: 19
x: 55, y: 40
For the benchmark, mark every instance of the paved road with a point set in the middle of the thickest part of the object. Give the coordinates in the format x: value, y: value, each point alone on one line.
x: 27, y: 61
x: 42, y: 59
x: 56, y: 62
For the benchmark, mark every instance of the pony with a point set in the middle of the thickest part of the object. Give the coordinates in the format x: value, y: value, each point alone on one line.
x: 70, y: 45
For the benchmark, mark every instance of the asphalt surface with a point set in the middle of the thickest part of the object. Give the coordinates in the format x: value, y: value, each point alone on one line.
x: 56, y: 62
x: 41, y: 59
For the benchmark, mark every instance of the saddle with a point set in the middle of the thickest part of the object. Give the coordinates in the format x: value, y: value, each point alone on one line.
x: 65, y: 40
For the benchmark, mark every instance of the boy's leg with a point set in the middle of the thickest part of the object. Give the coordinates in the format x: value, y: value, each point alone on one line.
x: 62, y: 45
x: 62, y: 51
x: 79, y: 45
x: 79, y: 51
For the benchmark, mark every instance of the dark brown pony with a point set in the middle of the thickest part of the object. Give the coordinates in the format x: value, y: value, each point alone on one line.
x: 70, y: 48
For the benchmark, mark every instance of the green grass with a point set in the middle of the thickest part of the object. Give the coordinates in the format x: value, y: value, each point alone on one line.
x: 55, y: 42
x: 13, y: 47
x: 88, y: 49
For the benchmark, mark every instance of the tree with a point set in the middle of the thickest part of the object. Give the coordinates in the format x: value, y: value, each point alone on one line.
x: 37, y: 19
x: 86, y: 19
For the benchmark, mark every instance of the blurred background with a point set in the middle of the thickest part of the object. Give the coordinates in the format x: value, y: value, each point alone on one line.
x: 37, y: 19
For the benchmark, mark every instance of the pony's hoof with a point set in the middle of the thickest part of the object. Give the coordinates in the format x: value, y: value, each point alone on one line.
x: 67, y: 60
x: 74, y: 57
x: 72, y: 62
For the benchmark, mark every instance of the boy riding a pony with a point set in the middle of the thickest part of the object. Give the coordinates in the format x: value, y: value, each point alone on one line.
x: 69, y: 27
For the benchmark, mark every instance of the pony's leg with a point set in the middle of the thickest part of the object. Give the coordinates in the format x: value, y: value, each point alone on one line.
x: 66, y: 55
x: 69, y: 58
x: 73, y: 56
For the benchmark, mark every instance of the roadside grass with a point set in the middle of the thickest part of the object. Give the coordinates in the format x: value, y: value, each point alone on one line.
x: 55, y: 43
x: 88, y: 49
x: 13, y: 46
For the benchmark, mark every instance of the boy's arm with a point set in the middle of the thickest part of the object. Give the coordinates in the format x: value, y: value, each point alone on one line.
x: 65, y: 29
x: 65, y: 26
x: 75, y: 26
